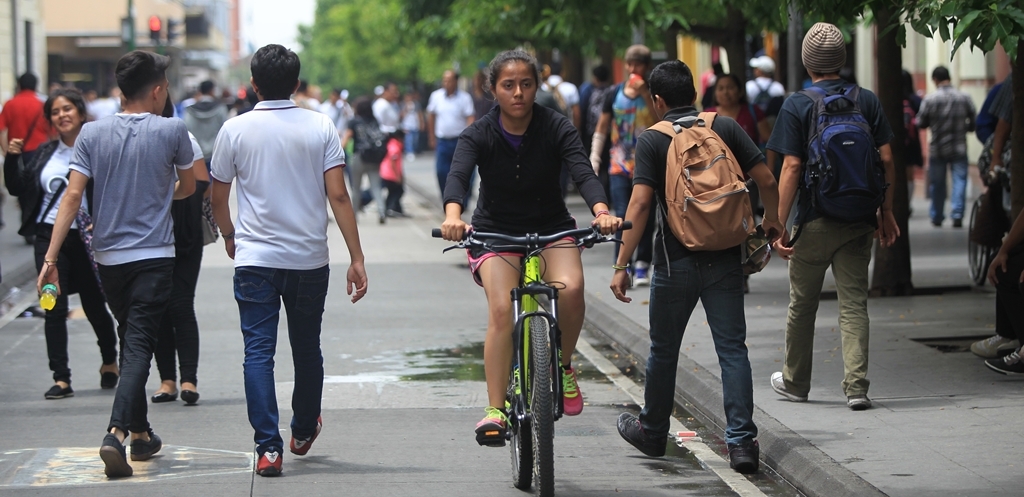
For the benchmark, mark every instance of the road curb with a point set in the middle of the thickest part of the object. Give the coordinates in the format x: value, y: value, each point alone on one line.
x: 17, y: 276
x: 805, y: 466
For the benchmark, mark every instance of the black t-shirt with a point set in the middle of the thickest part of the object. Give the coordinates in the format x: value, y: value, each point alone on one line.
x: 789, y: 137
x: 520, y: 191
x: 652, y: 161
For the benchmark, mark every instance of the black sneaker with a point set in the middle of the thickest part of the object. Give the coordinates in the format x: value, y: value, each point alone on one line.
x: 744, y: 457
x: 112, y: 453
x: 631, y: 431
x: 144, y: 449
x: 1009, y: 364
x: 958, y: 223
x: 56, y: 392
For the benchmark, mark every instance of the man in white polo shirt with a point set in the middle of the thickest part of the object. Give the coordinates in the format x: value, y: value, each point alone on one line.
x: 288, y: 163
x: 449, y: 110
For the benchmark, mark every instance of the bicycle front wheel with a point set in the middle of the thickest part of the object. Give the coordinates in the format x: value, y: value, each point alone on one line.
x: 521, y: 435
x: 542, y: 405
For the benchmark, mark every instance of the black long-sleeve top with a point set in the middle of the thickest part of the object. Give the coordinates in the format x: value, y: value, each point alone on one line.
x: 519, y: 188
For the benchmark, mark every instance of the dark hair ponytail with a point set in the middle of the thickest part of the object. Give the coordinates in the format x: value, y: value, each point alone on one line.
x: 506, y: 57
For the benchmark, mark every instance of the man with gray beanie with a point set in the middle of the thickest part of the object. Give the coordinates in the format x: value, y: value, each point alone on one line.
x: 824, y: 241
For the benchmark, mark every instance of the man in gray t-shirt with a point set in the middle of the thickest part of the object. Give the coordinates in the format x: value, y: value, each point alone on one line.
x: 132, y: 157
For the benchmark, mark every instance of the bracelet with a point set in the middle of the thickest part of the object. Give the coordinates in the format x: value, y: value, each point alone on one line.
x: 51, y: 263
x: 228, y: 236
x: 602, y: 212
x: 620, y: 268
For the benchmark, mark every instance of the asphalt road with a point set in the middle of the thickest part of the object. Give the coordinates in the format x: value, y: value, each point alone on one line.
x: 403, y: 391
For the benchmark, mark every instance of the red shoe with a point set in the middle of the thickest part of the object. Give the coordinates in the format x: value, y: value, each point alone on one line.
x: 269, y: 464
x: 300, y: 447
x: 572, y: 397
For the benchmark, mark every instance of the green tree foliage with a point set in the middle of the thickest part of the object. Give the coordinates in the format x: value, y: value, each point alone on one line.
x: 984, y: 23
x: 358, y: 44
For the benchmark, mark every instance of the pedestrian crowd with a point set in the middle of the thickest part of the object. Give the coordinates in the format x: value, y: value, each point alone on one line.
x: 711, y: 193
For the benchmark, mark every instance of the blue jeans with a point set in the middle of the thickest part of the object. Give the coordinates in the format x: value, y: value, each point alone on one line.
x: 259, y: 292
x: 445, y: 154
x: 716, y: 279
x: 621, y: 188
x: 412, y: 137
x: 937, y: 186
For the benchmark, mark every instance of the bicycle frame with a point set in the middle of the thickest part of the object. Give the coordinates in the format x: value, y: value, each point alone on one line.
x: 526, y: 307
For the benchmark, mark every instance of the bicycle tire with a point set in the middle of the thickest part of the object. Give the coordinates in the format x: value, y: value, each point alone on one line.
x: 542, y: 407
x: 521, y: 444
x: 979, y: 257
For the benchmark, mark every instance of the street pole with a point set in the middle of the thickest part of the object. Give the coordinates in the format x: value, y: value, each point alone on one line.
x: 131, y: 25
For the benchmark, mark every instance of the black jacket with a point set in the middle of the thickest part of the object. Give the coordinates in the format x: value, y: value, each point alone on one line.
x: 520, y: 190
x: 23, y: 182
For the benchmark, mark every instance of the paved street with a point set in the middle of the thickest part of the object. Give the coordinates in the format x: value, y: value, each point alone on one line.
x: 404, y: 388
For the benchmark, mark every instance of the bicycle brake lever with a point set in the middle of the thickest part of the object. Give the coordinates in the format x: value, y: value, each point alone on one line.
x: 453, y: 247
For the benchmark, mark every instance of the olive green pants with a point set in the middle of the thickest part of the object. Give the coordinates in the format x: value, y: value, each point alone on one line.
x: 846, y: 247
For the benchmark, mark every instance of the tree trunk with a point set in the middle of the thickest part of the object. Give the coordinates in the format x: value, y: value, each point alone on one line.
x: 671, y: 47
x: 1017, y: 133
x: 735, y: 45
x: 892, y: 274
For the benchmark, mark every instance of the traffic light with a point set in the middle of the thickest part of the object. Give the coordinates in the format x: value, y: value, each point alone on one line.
x: 172, y: 33
x: 155, y: 26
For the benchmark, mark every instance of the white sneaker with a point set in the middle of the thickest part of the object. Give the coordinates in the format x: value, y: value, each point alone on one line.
x: 994, y: 346
x: 410, y: 157
x: 779, y: 385
x: 643, y: 277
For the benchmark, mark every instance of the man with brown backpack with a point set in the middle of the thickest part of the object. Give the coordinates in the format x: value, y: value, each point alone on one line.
x: 689, y: 169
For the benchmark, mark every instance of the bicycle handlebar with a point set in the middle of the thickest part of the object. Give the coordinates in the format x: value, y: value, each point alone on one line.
x: 532, y: 239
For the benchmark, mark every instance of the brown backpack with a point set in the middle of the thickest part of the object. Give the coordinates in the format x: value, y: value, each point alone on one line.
x: 708, y: 206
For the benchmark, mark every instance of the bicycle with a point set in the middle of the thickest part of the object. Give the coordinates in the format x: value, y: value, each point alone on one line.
x: 534, y: 395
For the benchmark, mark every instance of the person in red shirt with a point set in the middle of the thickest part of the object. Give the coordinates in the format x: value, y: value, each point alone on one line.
x: 22, y: 118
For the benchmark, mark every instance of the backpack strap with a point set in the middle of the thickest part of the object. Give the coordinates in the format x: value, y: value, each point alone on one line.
x: 664, y: 127
x: 708, y: 118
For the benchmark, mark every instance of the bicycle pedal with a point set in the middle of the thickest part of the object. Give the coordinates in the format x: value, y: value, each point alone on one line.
x: 491, y: 437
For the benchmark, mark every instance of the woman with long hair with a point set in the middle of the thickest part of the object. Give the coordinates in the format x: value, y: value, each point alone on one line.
x: 41, y: 184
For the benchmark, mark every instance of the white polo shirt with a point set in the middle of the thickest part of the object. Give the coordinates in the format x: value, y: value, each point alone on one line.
x: 277, y: 155
x: 451, y: 111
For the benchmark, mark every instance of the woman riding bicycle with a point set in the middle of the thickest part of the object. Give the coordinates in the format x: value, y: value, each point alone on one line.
x: 521, y: 149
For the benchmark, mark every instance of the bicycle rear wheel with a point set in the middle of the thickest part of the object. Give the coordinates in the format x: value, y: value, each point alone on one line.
x: 542, y: 406
x: 522, y: 440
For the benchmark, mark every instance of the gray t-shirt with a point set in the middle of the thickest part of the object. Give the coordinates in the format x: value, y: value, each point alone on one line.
x: 131, y: 159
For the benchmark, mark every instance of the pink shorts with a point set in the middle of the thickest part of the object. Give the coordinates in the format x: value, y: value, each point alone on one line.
x: 478, y: 260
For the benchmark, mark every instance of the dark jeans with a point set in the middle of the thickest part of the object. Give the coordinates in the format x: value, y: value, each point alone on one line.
x: 1010, y: 299
x: 716, y: 279
x: 75, y: 272
x: 259, y: 292
x: 445, y: 153
x: 395, y: 192
x: 138, y: 293
x: 179, y: 331
x: 621, y: 188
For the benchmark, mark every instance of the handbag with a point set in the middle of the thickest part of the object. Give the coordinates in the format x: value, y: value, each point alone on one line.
x: 210, y: 230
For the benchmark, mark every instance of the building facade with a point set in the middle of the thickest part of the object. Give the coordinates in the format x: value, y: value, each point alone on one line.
x: 22, y: 44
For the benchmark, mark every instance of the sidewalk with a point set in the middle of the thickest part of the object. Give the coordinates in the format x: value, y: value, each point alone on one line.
x: 940, y: 422
x: 17, y: 259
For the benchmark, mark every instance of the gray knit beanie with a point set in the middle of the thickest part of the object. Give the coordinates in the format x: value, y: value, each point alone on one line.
x: 824, y: 50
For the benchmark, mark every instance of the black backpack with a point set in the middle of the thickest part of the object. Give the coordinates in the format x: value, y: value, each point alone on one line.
x: 844, y: 177
x: 371, y: 142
